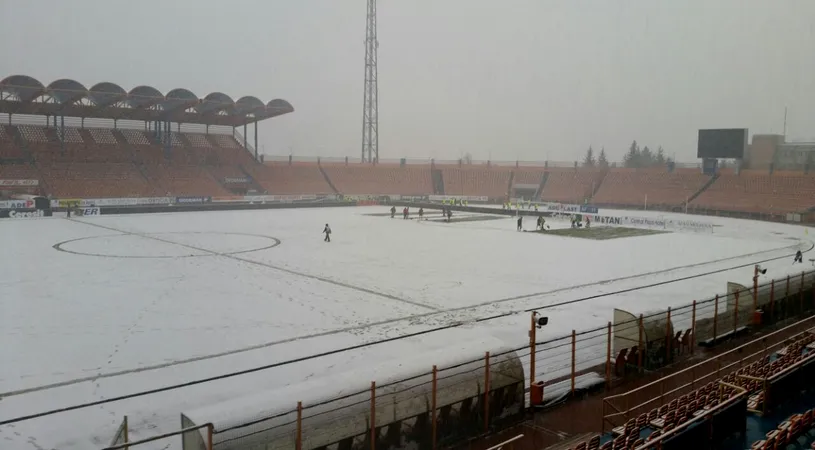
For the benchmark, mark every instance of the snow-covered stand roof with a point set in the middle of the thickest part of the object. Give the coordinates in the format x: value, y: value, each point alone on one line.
x: 266, y: 419
x: 22, y: 94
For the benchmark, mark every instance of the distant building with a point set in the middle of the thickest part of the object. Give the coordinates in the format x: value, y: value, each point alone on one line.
x: 771, y: 152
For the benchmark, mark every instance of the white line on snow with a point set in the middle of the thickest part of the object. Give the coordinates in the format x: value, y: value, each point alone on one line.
x: 263, y: 264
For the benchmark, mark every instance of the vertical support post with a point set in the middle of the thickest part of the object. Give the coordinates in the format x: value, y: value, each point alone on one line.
x: 486, y: 392
x: 640, y: 345
x: 801, y: 295
x: 433, y: 405
x: 668, y: 337
x: 210, y: 428
x: 61, y: 133
x: 787, y: 298
x: 692, y: 338
x: 256, y: 140
x: 373, y: 414
x: 126, y: 432
x: 772, y: 299
x: 608, y: 356
x: 755, y: 288
x: 715, y: 317
x: 574, y: 342
x: 298, y: 439
x: 532, y: 340
x: 245, y: 137
x: 736, y: 313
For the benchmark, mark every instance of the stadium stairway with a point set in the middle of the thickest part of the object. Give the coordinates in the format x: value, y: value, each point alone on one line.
x: 22, y: 145
x: 438, y: 181
x: 253, y: 185
x: 544, y: 177
x: 703, y: 188
x: 328, y: 180
x: 599, y: 183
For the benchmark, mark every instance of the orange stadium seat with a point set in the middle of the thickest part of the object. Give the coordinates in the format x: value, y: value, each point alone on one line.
x: 528, y: 176
x: 759, y: 193
x: 8, y: 148
x: 281, y: 179
x: 19, y: 172
x: 96, y: 180
x: 181, y: 180
x: 570, y: 185
x: 492, y: 182
x: 632, y: 187
x: 379, y: 180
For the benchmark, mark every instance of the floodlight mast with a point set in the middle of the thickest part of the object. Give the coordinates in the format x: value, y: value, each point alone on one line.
x: 370, y: 104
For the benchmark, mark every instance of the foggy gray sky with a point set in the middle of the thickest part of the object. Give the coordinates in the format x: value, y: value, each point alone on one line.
x: 525, y: 79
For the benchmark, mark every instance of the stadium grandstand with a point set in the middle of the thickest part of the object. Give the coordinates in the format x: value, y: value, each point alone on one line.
x: 67, y: 141
x: 63, y: 140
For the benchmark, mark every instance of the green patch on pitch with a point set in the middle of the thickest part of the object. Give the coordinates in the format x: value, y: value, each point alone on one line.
x: 601, y: 233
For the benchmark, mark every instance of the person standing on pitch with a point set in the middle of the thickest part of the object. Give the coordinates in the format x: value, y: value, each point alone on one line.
x: 393, y: 211
x: 520, y: 222
x: 421, y: 213
x: 799, y: 257
x: 327, y: 231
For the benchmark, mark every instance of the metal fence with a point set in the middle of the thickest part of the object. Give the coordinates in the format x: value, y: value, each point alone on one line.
x: 474, y: 164
x: 472, y: 398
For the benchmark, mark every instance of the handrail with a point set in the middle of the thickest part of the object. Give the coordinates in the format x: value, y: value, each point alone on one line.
x: 707, y: 361
x: 208, y: 426
x: 502, y: 444
x: 720, y: 371
x: 654, y: 443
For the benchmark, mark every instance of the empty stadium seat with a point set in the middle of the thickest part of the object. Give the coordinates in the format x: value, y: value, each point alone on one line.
x: 625, y: 187
x: 759, y: 193
x: 95, y: 180
x: 379, y: 180
x: 290, y: 180
x: 487, y: 182
x: 570, y: 185
x: 8, y: 148
x: 185, y: 180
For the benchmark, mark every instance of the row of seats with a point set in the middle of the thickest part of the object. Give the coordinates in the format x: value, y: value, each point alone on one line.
x: 352, y: 180
x: 290, y: 180
x: 638, y: 431
x: 788, y: 432
x: 649, y: 187
x: 795, y: 351
x: 493, y: 183
x: 759, y: 193
x: 72, y: 135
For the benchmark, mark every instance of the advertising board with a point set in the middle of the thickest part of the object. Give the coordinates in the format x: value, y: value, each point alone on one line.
x: 188, y: 200
x: 19, y: 183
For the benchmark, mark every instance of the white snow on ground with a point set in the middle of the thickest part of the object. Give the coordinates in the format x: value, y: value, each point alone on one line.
x: 136, y: 302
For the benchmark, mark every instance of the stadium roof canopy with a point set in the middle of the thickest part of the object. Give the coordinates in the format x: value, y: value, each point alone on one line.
x: 21, y: 94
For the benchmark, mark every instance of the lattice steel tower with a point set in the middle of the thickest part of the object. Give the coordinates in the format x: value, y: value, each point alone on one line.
x: 370, y: 104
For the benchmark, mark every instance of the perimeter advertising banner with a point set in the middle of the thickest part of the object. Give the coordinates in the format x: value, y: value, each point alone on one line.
x: 469, y: 198
x: 16, y: 204
x: 188, y: 200
x: 19, y: 183
x: 130, y: 201
x: 24, y: 213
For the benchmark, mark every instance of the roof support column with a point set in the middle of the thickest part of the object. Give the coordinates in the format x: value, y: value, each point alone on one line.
x: 256, y: 140
x: 61, y: 133
x: 167, y: 139
x: 244, y: 137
